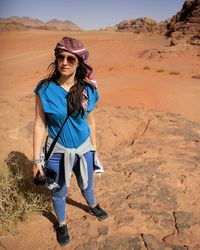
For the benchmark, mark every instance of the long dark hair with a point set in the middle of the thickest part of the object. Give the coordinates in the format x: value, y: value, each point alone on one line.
x: 75, y: 95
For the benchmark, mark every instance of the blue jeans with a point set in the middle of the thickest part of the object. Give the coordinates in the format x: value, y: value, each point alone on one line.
x: 56, y: 163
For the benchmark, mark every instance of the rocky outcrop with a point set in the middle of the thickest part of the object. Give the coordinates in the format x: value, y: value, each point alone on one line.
x: 185, y: 25
x: 24, y: 23
x: 143, y: 24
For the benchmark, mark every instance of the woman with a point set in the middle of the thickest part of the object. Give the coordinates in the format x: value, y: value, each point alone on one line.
x: 70, y: 90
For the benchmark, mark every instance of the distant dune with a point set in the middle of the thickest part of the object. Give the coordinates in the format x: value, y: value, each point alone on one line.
x: 24, y: 23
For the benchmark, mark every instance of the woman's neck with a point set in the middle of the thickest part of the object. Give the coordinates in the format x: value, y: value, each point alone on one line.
x: 66, y: 82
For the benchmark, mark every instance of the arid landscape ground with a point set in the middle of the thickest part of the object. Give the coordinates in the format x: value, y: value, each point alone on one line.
x: 148, y: 133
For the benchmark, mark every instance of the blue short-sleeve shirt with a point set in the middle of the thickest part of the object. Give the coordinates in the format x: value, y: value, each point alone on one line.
x: 54, y: 102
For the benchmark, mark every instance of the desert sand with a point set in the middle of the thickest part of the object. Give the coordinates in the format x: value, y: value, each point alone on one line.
x: 148, y: 133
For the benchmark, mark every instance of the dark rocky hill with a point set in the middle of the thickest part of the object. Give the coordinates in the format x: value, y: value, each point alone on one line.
x: 185, y: 25
x: 144, y: 24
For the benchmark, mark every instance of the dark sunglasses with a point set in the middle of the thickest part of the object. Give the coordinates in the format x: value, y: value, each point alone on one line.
x: 70, y: 59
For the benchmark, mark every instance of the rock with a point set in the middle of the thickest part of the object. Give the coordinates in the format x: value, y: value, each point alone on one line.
x: 176, y: 247
x: 144, y: 24
x: 186, y: 23
x: 195, y: 40
x: 103, y: 230
x: 167, y: 198
x: 152, y: 243
x: 119, y: 243
x: 173, y: 42
x: 137, y: 243
x: 140, y: 206
x: 124, y: 219
x: 184, y: 220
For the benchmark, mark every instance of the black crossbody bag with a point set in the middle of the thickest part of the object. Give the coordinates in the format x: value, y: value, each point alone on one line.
x: 49, y: 175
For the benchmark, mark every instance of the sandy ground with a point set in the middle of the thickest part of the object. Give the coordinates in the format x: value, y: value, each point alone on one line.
x: 131, y: 70
x: 119, y: 60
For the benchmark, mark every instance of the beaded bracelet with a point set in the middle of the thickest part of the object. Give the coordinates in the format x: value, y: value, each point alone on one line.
x: 36, y: 161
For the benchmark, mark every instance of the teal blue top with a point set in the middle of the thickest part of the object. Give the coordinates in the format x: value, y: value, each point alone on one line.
x: 54, y: 102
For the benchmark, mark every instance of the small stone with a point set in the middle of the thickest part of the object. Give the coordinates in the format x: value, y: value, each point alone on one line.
x: 103, y: 231
x: 152, y: 243
x: 141, y: 206
x: 84, y: 217
x: 167, y: 198
x: 124, y: 219
x: 120, y: 243
x: 175, y: 247
x: 137, y: 243
x: 184, y: 220
x: 172, y: 42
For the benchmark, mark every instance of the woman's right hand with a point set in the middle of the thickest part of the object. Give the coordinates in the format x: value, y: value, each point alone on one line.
x: 37, y: 167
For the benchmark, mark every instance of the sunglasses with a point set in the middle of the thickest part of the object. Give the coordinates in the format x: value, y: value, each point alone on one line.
x: 70, y: 59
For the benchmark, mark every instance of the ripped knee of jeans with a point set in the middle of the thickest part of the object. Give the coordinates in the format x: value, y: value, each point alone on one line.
x: 57, y: 197
x: 58, y: 194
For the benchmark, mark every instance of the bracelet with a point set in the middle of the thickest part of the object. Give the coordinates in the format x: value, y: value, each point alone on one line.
x: 36, y: 161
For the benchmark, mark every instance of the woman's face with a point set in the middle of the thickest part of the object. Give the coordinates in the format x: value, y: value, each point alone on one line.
x: 67, y: 63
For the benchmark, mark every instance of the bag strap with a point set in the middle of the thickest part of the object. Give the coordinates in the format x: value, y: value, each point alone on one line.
x: 47, y: 154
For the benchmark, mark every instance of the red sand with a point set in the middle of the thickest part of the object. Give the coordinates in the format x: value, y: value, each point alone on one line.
x: 118, y: 68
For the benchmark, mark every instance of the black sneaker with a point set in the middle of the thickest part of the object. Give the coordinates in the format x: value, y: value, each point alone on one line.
x: 98, y: 212
x: 62, y: 235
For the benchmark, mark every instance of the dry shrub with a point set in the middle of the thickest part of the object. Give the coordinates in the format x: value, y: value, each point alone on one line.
x: 174, y: 73
x: 146, y: 67
x: 160, y: 70
x: 19, y: 197
x: 196, y: 76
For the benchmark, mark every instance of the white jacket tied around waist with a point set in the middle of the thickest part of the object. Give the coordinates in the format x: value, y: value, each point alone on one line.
x: 69, y: 158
